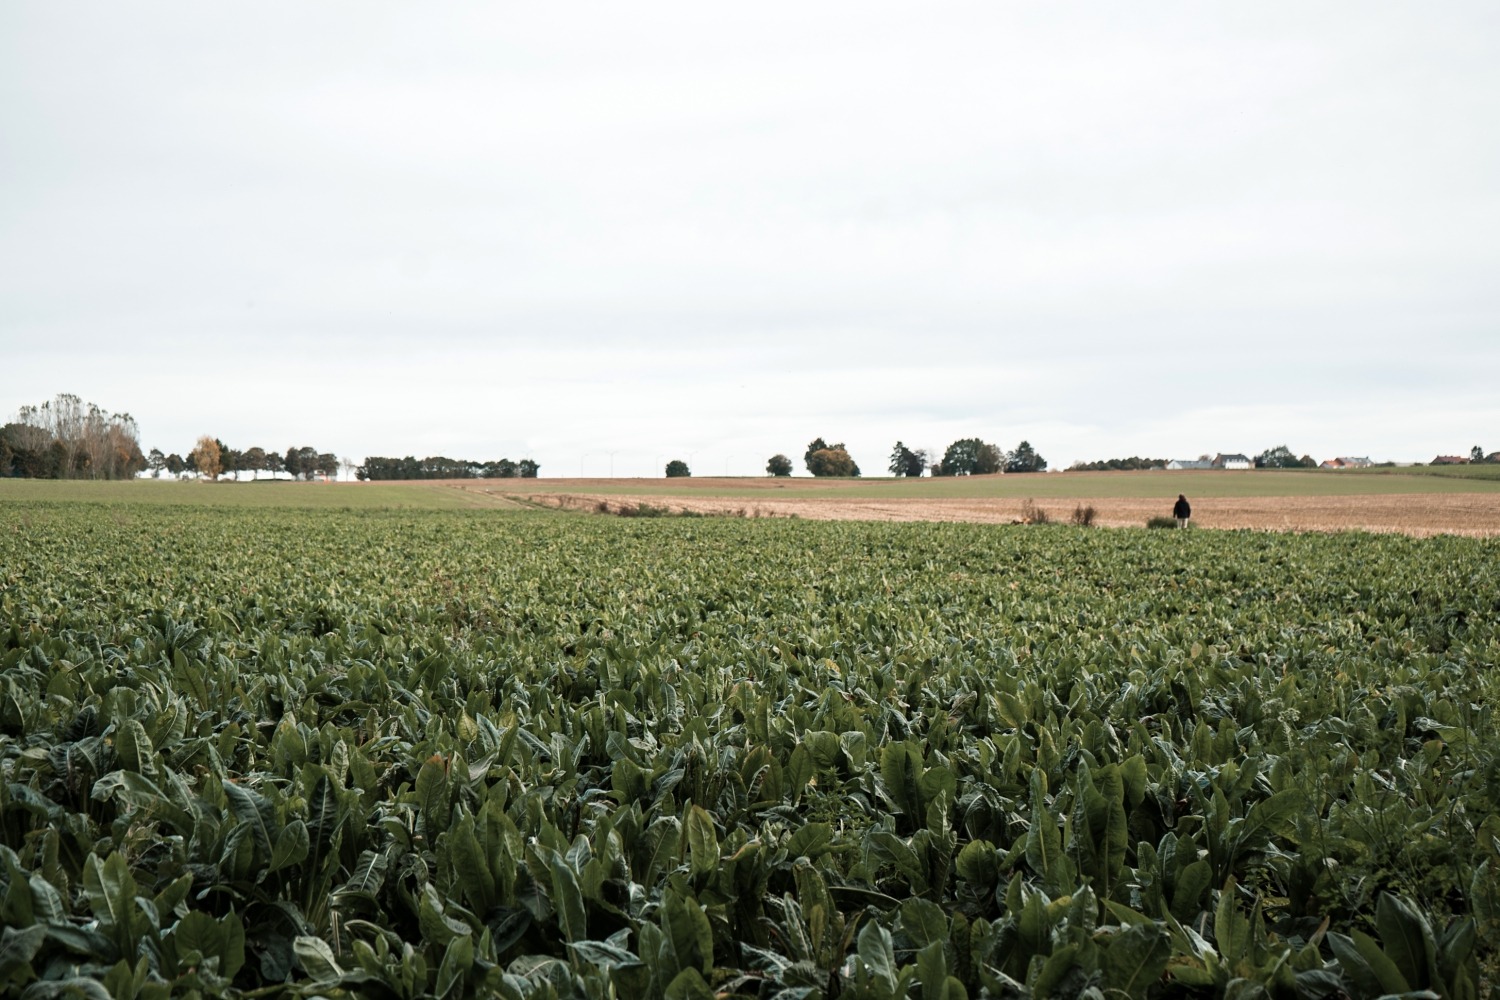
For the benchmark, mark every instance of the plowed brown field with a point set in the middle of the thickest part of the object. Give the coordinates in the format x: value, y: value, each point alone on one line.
x: 1412, y: 514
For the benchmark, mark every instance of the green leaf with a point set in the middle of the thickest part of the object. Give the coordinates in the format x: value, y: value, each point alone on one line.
x: 1275, y: 815
x: 1366, y: 965
x: 1116, y: 837
x: 47, y: 902
x: 74, y: 988
x: 17, y: 948
x: 877, y: 952
x: 1057, y: 965
x: 1192, y: 882
x: 688, y: 985
x: 134, y: 748
x: 316, y: 959
x: 1135, y: 959
x: 1406, y: 936
x: 604, y: 954
x: 1231, y: 927
x: 110, y: 889
x: 256, y: 812
x: 323, y: 814
x: 703, y: 842
x: 810, y: 841
x: 196, y: 933
x: 292, y: 846
x: 472, y: 866
x: 435, y: 923
x: 979, y: 863
x: 432, y: 794
x: 567, y: 899
x: 900, y: 772
x: 457, y: 961
x: 1044, y: 839
x: 687, y: 933
x: 924, y: 922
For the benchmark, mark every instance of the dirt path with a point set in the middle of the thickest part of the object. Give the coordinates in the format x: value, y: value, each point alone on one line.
x: 1476, y: 514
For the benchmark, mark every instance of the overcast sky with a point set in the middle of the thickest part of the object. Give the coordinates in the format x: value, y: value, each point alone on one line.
x: 714, y: 232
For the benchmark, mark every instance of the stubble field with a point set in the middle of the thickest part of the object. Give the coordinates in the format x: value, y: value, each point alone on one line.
x: 1413, y: 504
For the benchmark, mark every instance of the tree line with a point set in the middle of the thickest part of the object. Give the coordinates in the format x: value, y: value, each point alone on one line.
x: 439, y: 467
x: 211, y: 458
x: 66, y: 438
x: 964, y: 457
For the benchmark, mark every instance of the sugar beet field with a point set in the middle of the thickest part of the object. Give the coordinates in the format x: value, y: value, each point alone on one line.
x: 398, y: 754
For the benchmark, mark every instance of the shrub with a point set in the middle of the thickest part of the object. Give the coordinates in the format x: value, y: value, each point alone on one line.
x: 1084, y: 516
x: 1032, y: 514
x: 1161, y: 521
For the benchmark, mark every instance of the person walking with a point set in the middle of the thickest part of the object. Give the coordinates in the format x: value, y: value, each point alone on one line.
x: 1182, y: 510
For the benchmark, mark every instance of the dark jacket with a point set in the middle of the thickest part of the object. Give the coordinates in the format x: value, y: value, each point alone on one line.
x: 1182, y: 508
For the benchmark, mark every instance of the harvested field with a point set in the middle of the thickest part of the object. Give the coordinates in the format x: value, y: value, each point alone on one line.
x: 1418, y: 514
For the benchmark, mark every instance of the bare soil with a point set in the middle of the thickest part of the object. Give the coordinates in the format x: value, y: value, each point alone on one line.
x: 1475, y: 514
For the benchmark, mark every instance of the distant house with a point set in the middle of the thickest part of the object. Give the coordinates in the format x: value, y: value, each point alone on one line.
x: 1190, y: 463
x: 1450, y: 460
x: 1346, y: 462
x: 1222, y: 461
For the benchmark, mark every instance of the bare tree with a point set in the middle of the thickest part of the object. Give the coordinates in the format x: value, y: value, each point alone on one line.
x: 77, y: 440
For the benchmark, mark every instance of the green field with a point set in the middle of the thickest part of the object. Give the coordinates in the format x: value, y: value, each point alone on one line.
x: 249, y: 495
x: 273, y: 745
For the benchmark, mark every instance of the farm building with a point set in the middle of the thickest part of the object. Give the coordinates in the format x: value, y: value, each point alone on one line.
x: 1346, y: 462
x: 1222, y: 461
x: 1450, y: 460
x: 1190, y: 463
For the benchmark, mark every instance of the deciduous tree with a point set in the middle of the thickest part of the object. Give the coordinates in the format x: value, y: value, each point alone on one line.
x: 779, y: 466
x: 678, y: 469
x: 823, y: 459
x: 206, y: 457
x: 833, y: 461
x: 970, y: 457
x: 1024, y: 459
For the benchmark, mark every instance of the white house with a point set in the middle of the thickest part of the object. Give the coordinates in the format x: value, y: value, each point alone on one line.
x: 1222, y: 461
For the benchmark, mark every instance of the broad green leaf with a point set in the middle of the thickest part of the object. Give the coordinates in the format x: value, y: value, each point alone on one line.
x: 703, y: 842
x: 316, y: 959
x: 604, y: 954
x: 1231, y: 927
x: 1135, y: 959
x: 876, y: 951
x: 292, y: 846
x: 256, y: 812
x: 810, y: 841
x: 18, y: 946
x: 472, y: 866
x: 932, y: 970
x: 900, y: 772
x: 134, y: 748
x: 687, y: 933
x: 979, y: 863
x: 688, y: 984
x: 1406, y: 936
x: 1366, y: 965
x: 1192, y: 882
x: 567, y: 899
x: 458, y: 959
